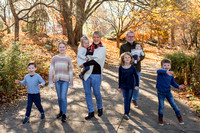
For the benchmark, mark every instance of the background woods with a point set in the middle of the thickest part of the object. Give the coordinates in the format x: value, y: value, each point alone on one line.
x: 30, y: 30
x: 174, y: 22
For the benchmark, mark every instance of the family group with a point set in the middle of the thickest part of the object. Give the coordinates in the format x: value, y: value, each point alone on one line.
x: 91, y: 58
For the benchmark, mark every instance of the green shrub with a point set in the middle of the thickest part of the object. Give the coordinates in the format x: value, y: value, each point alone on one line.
x: 13, y: 62
x: 179, y: 64
x: 186, y: 68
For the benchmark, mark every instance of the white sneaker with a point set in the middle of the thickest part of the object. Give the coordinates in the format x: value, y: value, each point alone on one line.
x: 126, y: 117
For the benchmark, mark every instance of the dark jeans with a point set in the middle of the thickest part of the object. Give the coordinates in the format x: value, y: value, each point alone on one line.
x: 135, y: 57
x: 33, y: 98
x: 87, y: 67
x: 170, y: 99
x: 127, y: 94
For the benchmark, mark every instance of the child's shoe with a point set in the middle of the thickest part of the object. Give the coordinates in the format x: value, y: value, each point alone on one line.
x: 126, y: 117
x: 63, y: 119
x: 160, y: 121
x: 90, y: 115
x: 26, y: 119
x: 180, y: 119
x: 81, y: 76
x: 100, y: 112
x: 59, y: 115
x: 135, y: 103
x: 42, y: 115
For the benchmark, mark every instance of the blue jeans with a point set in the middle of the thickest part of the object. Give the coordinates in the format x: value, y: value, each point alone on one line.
x: 127, y: 94
x: 94, y: 81
x: 136, y: 92
x: 33, y: 98
x: 170, y: 99
x: 61, y: 89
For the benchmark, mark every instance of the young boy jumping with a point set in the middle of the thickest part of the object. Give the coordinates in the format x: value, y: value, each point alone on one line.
x: 33, y: 81
x: 165, y: 79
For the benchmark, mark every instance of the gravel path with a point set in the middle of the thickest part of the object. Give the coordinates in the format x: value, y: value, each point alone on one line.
x: 142, y: 119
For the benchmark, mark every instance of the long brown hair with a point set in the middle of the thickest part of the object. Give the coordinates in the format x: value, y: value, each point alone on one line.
x: 121, y: 63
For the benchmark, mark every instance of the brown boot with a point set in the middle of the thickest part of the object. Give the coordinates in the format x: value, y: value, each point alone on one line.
x: 135, y: 103
x: 180, y: 119
x: 160, y: 121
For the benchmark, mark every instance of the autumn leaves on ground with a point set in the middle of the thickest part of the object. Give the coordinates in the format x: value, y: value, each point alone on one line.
x: 41, y: 48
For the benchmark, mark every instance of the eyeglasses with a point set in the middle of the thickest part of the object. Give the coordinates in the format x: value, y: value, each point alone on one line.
x: 130, y: 36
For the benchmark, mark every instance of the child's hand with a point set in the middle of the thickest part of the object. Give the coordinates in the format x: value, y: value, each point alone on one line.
x: 17, y: 81
x: 40, y: 85
x: 170, y: 73
x: 136, y: 87
x: 182, y: 86
x: 119, y: 90
x: 71, y: 86
x: 86, y: 58
x: 138, y: 59
x: 81, y: 66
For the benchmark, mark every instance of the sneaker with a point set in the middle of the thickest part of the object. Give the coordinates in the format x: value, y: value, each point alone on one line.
x: 26, y: 120
x: 81, y: 76
x: 100, y: 112
x: 135, y: 103
x: 59, y: 115
x: 42, y: 115
x: 90, y: 115
x: 160, y: 121
x: 126, y: 117
x: 63, y: 119
x: 180, y: 119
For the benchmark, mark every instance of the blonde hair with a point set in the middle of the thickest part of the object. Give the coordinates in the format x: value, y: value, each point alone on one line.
x: 83, y: 38
x: 121, y: 63
x: 61, y: 43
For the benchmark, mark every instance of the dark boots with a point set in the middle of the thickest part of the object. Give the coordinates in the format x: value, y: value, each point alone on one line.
x: 59, y: 115
x: 63, y: 119
x: 100, y: 112
x: 81, y: 76
x: 90, y: 115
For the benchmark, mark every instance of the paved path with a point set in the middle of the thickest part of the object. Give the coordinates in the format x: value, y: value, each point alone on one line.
x: 142, y: 119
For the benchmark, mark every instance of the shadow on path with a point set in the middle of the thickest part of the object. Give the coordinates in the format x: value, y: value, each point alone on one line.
x: 142, y: 119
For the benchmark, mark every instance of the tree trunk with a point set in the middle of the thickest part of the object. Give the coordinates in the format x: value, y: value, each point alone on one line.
x: 172, y: 35
x: 16, y: 29
x: 69, y: 26
x: 77, y: 35
x: 195, y: 37
x: 8, y: 29
x: 158, y: 44
x: 64, y: 31
x: 70, y: 33
x: 80, y: 20
x: 118, y: 41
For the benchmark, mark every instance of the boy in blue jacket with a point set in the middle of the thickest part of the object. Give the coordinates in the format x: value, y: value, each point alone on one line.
x: 165, y: 79
x: 33, y: 81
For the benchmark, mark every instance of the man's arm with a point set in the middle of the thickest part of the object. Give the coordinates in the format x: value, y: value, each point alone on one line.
x: 121, y: 50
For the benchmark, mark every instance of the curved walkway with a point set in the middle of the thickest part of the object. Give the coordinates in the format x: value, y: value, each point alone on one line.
x: 142, y: 119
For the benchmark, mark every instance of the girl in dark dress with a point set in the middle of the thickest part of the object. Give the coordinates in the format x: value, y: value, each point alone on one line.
x: 128, y: 80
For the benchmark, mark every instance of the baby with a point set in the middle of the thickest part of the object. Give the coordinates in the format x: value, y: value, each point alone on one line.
x: 137, y: 52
